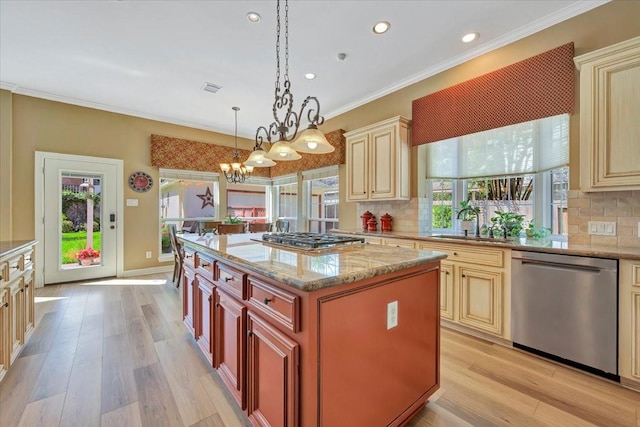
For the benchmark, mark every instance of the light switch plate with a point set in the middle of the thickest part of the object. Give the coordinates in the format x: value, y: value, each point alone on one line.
x: 602, y: 228
x: 392, y: 314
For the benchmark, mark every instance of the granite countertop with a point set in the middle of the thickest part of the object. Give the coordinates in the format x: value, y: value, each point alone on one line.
x: 8, y: 247
x: 310, y: 270
x: 523, y: 244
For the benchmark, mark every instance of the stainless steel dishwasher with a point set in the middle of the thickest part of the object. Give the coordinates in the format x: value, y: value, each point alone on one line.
x: 566, y: 307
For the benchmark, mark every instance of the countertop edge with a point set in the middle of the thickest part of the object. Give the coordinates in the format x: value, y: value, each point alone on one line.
x: 581, y: 250
x: 15, y: 246
x: 317, y: 284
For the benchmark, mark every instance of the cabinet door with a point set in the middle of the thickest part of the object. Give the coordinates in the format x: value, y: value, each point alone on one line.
x: 272, y: 376
x: 358, y: 167
x: 188, y: 298
x: 29, y: 305
x: 629, y: 320
x: 16, y: 319
x: 481, y: 299
x: 446, y: 291
x: 609, y: 111
x: 206, y: 317
x: 231, y: 333
x: 4, y: 329
x: 383, y: 163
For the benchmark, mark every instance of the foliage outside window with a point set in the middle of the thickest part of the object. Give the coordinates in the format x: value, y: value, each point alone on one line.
x: 520, y: 169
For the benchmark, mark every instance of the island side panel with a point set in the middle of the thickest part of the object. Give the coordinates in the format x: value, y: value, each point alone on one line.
x: 362, y: 361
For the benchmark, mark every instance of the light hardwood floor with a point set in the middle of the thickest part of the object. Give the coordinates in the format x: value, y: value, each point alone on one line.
x: 115, y: 353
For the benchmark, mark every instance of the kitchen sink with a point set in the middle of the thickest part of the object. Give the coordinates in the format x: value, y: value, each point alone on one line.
x: 473, y: 238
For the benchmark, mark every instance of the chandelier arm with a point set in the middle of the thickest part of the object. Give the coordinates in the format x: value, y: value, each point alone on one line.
x: 313, y: 114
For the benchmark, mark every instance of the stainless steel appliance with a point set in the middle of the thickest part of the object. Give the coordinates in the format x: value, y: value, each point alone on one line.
x: 309, y: 240
x: 566, y: 307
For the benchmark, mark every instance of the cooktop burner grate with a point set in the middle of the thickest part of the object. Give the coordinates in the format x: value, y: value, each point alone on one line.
x: 310, y: 240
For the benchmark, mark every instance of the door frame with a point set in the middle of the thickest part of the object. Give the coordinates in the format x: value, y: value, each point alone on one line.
x: 40, y: 157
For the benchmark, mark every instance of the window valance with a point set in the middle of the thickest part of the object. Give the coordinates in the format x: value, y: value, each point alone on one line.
x: 538, y: 87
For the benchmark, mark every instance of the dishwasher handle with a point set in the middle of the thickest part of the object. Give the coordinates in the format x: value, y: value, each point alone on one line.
x: 561, y: 265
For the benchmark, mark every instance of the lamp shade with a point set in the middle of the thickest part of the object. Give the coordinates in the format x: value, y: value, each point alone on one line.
x: 282, y: 151
x: 258, y: 159
x: 312, y: 141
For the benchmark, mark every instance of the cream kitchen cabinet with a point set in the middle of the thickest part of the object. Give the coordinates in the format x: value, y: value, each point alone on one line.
x: 378, y: 161
x: 629, y: 323
x: 609, y: 112
x: 17, y: 300
x: 475, y: 288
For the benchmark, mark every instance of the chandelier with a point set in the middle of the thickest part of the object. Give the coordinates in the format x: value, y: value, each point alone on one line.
x: 311, y: 140
x: 235, y: 172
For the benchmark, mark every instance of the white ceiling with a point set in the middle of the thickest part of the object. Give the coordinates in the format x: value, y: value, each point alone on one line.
x: 151, y: 58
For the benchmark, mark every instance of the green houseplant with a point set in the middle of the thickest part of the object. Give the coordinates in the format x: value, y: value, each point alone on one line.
x: 509, y: 222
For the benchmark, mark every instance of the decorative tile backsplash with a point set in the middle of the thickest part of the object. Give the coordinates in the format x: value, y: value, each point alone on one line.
x: 621, y: 207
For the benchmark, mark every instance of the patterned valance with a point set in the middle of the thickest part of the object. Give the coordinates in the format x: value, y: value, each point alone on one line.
x: 538, y: 87
x: 176, y: 153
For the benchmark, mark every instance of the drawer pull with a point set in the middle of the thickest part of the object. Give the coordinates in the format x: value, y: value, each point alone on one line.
x: 17, y: 267
x: 5, y: 305
x: 26, y: 286
x: 187, y: 256
x: 228, y: 279
x: 267, y: 300
x: 446, y: 272
x: 250, y: 333
x: 217, y: 304
x: 455, y: 253
x: 209, y: 298
x: 204, y: 265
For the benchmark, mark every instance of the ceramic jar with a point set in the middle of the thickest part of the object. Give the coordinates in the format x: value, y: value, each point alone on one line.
x: 385, y: 222
x: 372, y: 224
x: 365, y: 219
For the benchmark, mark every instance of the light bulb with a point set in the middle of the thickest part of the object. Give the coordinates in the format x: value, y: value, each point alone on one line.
x: 312, y: 145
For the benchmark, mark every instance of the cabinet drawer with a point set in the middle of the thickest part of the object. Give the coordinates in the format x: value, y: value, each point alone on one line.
x: 275, y: 304
x: 15, y: 266
x: 205, y: 266
x: 635, y: 274
x: 469, y: 254
x: 373, y: 240
x: 231, y: 280
x: 400, y: 243
x: 28, y: 260
x: 189, y: 258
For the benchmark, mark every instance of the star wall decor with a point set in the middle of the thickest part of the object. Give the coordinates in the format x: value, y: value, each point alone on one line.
x: 207, y: 198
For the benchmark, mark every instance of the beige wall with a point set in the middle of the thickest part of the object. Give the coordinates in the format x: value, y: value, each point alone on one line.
x: 5, y: 165
x: 40, y: 125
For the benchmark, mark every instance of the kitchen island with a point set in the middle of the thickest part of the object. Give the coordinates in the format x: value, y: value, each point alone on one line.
x: 339, y: 336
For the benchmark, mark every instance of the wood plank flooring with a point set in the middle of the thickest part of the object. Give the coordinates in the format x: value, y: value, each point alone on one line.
x: 115, y: 353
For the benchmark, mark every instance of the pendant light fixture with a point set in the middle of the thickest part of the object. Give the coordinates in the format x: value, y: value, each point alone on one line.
x: 311, y: 140
x: 235, y: 172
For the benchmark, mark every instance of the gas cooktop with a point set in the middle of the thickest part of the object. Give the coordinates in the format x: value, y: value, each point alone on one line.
x: 310, y: 240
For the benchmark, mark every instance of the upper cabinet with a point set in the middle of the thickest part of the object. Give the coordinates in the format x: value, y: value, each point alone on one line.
x: 378, y: 161
x: 610, y: 117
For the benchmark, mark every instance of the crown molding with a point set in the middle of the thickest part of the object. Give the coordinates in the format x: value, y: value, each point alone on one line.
x: 568, y: 12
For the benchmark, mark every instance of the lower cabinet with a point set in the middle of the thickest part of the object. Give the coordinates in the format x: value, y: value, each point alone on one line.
x: 629, y: 323
x: 475, y: 287
x: 189, y: 284
x: 272, y: 375
x: 231, y: 336
x: 206, y: 318
x: 17, y: 319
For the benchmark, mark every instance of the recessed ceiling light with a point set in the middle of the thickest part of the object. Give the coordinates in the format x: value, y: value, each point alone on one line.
x: 253, y: 16
x: 309, y: 76
x: 381, y: 27
x: 468, y: 38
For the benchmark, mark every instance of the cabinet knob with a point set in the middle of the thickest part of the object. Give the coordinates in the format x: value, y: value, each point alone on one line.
x: 464, y: 275
x: 217, y: 304
x: 455, y: 253
x: 446, y: 272
x: 5, y: 305
x: 209, y: 298
x: 267, y: 300
x: 250, y: 333
x: 26, y: 286
x: 228, y: 279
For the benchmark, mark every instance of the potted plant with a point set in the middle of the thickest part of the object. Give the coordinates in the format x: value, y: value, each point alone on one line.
x: 87, y: 256
x: 468, y: 216
x: 507, y: 222
x: 232, y: 220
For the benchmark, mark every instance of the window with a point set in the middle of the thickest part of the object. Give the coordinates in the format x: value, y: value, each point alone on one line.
x: 520, y: 168
x: 322, y: 199
x: 248, y: 201
x: 286, y: 194
x: 186, y: 200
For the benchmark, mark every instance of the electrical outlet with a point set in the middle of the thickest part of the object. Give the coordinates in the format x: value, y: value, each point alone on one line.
x: 602, y: 228
x: 392, y: 314
x: 148, y: 254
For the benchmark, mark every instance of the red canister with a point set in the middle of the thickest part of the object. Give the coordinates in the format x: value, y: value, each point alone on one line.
x: 372, y: 224
x: 385, y: 222
x: 365, y: 219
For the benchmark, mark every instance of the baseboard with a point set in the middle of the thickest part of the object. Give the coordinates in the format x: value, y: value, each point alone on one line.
x: 465, y: 330
x: 629, y: 383
x: 145, y: 271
